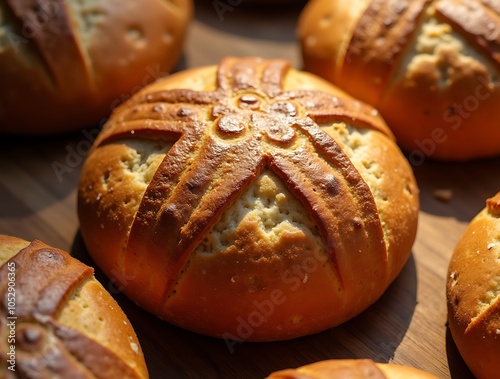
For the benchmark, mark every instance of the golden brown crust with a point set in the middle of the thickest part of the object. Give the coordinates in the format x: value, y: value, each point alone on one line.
x: 48, y: 338
x: 325, y: 41
x: 430, y: 67
x: 248, y: 121
x: 477, y: 21
x: 473, y: 290
x: 70, y: 63
x: 351, y: 369
x: 388, y: 26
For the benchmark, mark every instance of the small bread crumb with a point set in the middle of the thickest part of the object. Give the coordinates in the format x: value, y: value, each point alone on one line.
x: 444, y: 195
x: 490, y: 246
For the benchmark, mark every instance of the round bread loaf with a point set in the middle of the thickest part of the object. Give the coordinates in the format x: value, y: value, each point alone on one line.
x: 65, y: 65
x: 473, y: 289
x: 351, y: 368
x: 248, y: 201
x: 430, y: 67
x: 57, y: 321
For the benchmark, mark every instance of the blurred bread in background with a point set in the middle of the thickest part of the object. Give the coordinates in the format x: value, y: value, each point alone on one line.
x: 58, y: 320
x: 65, y: 65
x: 432, y: 68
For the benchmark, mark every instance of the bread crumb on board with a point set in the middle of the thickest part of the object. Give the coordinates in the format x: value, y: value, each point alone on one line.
x: 443, y: 194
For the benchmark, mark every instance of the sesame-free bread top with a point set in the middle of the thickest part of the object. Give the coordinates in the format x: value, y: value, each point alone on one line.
x: 351, y: 369
x: 472, y: 291
x: 65, y: 65
x: 432, y: 68
x: 226, y: 187
x: 61, y: 320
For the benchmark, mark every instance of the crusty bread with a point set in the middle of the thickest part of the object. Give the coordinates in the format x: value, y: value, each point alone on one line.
x: 59, y: 322
x: 351, y: 369
x: 214, y: 192
x: 431, y: 68
x: 473, y: 289
x: 64, y: 65
x: 270, y: 2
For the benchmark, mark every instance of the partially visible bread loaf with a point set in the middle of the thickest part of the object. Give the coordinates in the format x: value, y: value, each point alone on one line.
x: 351, y: 369
x: 258, y: 196
x: 281, y: 3
x: 65, y: 65
x: 57, y: 321
x: 432, y: 68
x: 473, y: 292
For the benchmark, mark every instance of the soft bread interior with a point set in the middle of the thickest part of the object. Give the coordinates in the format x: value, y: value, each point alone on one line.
x: 439, y: 48
x: 9, y: 247
x: 273, y: 208
x: 93, y: 312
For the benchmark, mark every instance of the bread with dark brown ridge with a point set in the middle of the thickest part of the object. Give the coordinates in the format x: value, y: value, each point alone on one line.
x: 351, y: 369
x: 473, y: 292
x: 58, y: 320
x: 64, y: 65
x: 260, y: 197
x: 432, y: 68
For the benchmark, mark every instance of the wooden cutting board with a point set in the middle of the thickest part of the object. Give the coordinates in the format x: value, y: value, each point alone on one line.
x: 38, y: 180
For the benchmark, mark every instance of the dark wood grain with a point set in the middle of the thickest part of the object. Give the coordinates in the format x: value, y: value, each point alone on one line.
x: 38, y: 180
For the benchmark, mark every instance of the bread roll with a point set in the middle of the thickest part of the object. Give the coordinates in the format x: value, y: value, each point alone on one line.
x: 257, y: 196
x: 65, y: 65
x: 351, y: 369
x: 272, y: 3
x: 57, y: 321
x: 430, y: 67
x: 472, y: 291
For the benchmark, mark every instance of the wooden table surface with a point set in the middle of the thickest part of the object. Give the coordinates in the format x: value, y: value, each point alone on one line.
x: 38, y: 179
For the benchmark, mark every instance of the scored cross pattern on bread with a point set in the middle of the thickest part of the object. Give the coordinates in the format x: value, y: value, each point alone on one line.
x: 55, y: 334
x: 394, y: 24
x: 72, y: 62
x: 432, y: 68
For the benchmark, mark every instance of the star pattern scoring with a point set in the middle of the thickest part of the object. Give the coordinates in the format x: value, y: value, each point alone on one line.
x: 223, y: 140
